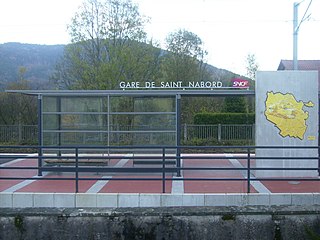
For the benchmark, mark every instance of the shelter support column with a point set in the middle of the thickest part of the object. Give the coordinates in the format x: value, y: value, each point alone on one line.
x: 59, y: 124
x: 318, y: 137
x: 178, y: 132
x: 40, y: 142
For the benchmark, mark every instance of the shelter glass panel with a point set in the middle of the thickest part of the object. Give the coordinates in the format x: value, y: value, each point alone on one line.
x: 154, y: 104
x: 142, y: 138
x: 125, y: 120
x: 84, y: 122
x: 84, y: 138
x: 50, y: 104
x: 84, y: 104
x: 51, y: 122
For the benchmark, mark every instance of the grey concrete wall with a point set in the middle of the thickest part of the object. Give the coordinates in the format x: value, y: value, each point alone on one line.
x: 123, y: 200
x: 303, y: 85
x: 162, y: 223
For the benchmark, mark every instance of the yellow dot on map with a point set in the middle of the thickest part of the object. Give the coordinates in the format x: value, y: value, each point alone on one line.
x: 311, y: 138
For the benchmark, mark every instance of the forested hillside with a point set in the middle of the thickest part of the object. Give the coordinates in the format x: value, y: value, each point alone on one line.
x: 34, y: 63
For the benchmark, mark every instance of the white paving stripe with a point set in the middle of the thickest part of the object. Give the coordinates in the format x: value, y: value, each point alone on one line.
x: 256, y: 184
x: 18, y: 186
x: 18, y: 159
x: 95, y: 188
x: 21, y: 185
x: 178, y: 186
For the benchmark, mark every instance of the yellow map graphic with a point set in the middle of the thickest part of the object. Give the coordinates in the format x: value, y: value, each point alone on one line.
x: 287, y: 114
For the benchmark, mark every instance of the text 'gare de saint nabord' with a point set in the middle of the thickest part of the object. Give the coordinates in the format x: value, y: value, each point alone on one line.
x: 177, y: 84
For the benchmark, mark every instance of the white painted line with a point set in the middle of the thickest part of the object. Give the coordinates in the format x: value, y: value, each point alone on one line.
x: 256, y: 184
x: 18, y: 186
x: 95, y: 188
x: 19, y: 159
x: 21, y: 185
x: 178, y: 186
x: 123, y: 161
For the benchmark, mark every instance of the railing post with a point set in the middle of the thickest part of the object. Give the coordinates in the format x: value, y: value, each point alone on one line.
x: 248, y: 171
x: 40, y: 157
x: 77, y: 170
x: 219, y: 132
x: 19, y: 133
x: 163, y: 171
x: 253, y: 134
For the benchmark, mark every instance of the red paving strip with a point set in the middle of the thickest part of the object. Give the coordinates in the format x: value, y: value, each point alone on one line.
x: 141, y: 186
x: 293, y: 186
x: 20, y: 173
x: 212, y: 186
x: 242, y: 159
x: 202, y: 163
x: 5, y: 184
x: 216, y: 187
x: 206, y: 162
x: 136, y: 186
x: 212, y: 174
x: 61, y: 186
x: 42, y: 186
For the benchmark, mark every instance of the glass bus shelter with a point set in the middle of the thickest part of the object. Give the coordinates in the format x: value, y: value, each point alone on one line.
x: 113, y: 117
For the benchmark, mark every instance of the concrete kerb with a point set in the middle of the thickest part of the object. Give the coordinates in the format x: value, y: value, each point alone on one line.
x: 123, y: 200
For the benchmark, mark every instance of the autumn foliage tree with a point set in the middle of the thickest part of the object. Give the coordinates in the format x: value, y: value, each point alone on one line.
x: 17, y: 108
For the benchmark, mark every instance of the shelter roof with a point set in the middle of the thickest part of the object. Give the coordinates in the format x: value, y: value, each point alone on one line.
x: 93, y: 93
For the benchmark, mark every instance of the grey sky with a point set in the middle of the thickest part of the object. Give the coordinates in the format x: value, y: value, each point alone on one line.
x: 230, y: 29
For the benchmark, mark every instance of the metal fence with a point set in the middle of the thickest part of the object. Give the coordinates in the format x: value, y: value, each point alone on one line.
x: 219, y: 132
x: 17, y: 134
x: 159, y: 164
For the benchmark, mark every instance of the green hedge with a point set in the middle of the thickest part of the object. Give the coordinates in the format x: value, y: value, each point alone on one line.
x: 224, y: 118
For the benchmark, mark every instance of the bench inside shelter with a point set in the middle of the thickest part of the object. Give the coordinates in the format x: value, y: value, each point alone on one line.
x: 67, y: 157
x: 81, y: 162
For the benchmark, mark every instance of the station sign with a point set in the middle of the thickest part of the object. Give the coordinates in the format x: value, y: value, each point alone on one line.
x: 240, y: 83
x: 171, y: 85
x: 235, y: 83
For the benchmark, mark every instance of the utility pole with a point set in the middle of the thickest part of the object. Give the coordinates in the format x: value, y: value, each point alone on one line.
x: 295, y: 35
x: 296, y: 27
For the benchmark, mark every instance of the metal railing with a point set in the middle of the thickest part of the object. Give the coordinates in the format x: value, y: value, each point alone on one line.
x: 163, y: 161
x: 219, y: 132
x: 27, y: 134
x: 18, y: 134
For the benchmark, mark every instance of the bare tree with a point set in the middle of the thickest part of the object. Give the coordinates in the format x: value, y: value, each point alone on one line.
x: 109, y: 45
x: 185, y: 59
x: 252, y: 66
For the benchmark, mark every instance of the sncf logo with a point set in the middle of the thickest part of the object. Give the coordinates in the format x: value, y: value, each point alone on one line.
x: 240, y: 83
